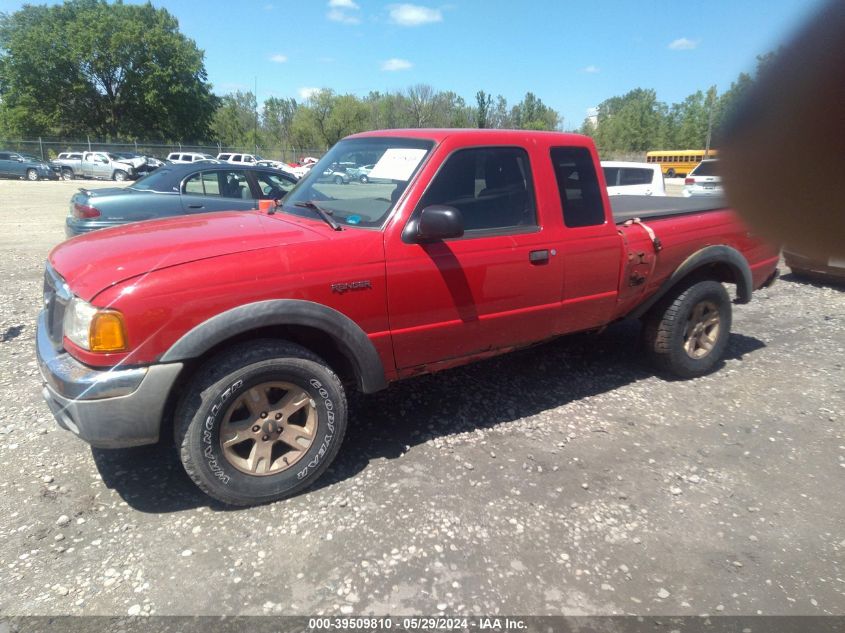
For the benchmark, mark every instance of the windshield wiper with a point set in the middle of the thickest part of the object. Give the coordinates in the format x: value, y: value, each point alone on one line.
x: 325, y: 214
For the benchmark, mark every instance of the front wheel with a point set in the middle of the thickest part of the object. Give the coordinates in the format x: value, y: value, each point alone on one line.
x: 686, y: 333
x: 338, y: 180
x: 671, y: 173
x: 364, y: 179
x: 67, y: 174
x: 31, y: 174
x: 260, y: 422
x: 120, y: 175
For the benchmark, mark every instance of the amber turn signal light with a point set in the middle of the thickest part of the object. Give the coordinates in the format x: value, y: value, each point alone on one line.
x: 107, y: 333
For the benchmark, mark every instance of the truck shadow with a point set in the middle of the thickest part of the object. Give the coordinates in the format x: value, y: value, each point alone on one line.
x: 387, y: 424
x: 816, y: 281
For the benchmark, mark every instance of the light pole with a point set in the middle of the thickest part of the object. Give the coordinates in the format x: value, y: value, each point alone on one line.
x: 709, y: 124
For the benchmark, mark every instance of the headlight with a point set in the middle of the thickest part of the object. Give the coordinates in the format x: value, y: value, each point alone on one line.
x: 94, y: 329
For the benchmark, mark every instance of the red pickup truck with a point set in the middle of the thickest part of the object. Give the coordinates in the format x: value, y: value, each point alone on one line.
x: 239, y: 333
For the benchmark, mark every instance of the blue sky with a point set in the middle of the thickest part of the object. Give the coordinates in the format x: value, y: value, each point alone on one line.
x: 572, y: 54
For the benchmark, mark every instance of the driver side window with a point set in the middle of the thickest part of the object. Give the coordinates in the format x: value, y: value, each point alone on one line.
x: 490, y: 186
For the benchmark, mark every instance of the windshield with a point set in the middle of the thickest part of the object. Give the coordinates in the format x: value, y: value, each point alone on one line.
x: 335, y: 184
x: 154, y: 181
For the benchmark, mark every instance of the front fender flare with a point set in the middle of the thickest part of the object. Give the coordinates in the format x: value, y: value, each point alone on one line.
x: 709, y: 255
x: 351, y: 340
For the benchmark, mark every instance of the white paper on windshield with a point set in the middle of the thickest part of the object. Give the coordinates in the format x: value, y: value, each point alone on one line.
x: 397, y: 164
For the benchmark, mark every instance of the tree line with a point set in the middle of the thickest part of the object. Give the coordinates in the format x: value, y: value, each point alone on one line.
x: 326, y: 117
x: 637, y: 121
x: 123, y: 72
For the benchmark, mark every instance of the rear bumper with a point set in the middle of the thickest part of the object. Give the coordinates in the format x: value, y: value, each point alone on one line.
x: 113, y: 408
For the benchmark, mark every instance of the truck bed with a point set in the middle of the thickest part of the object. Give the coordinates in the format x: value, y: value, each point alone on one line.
x: 644, y: 207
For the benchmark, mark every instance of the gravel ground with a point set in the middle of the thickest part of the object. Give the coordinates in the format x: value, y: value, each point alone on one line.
x: 566, y: 479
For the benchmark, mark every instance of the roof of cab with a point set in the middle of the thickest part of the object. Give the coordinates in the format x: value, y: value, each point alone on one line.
x: 475, y: 134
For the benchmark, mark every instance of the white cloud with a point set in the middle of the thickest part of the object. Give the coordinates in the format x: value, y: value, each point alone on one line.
x: 592, y: 69
x: 683, y: 44
x: 336, y: 15
x: 414, y: 15
x: 395, y: 63
x: 307, y: 92
x: 339, y: 12
x: 278, y: 58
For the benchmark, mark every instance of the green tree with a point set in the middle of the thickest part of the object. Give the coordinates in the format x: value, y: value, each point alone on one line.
x: 277, y: 119
x: 500, y: 116
x: 532, y: 114
x: 327, y: 118
x: 484, y: 103
x: 115, y: 70
x: 630, y: 123
x: 234, y: 120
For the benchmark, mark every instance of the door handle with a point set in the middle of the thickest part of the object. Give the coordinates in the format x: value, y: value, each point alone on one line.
x: 195, y: 206
x: 539, y: 257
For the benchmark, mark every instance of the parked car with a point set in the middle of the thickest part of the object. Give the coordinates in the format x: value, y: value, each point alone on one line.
x: 334, y: 174
x: 238, y: 159
x: 282, y: 166
x: 142, y: 164
x: 69, y: 164
x: 815, y: 266
x: 176, y: 190
x: 107, y: 166
x: 179, y: 158
x: 239, y: 333
x: 704, y: 180
x: 360, y: 173
x: 633, y: 179
x: 16, y: 165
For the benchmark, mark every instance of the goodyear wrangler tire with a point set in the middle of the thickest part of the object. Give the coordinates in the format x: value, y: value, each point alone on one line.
x: 260, y: 422
x: 686, y: 333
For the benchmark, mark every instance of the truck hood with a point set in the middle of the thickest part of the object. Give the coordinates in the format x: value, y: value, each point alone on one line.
x: 91, y: 263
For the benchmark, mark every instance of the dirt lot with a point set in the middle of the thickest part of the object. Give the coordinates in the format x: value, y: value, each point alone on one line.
x: 562, y: 479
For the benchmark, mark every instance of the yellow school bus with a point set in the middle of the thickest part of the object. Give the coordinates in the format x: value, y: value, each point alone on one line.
x: 678, y: 162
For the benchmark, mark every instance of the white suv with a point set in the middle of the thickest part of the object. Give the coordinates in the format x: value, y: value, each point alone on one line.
x: 633, y: 179
x: 187, y: 157
x: 704, y: 180
x: 238, y: 159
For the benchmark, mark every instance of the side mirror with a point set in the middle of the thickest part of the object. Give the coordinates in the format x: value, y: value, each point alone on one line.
x: 437, y: 222
x: 20, y: 159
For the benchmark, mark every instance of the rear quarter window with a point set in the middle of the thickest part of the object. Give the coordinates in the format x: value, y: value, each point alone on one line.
x: 578, y: 185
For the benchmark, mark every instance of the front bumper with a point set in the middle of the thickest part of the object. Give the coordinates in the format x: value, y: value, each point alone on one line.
x: 111, y: 408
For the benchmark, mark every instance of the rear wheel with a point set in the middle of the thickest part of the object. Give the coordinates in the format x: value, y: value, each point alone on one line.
x: 31, y: 174
x: 364, y: 179
x: 260, y: 422
x: 120, y: 175
x: 338, y: 180
x: 686, y: 334
x: 671, y: 173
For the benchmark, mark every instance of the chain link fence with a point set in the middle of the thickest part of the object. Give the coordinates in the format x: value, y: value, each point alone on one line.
x: 49, y: 148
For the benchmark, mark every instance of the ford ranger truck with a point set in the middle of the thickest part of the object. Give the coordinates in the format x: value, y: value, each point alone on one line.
x: 239, y: 333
